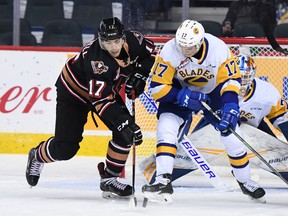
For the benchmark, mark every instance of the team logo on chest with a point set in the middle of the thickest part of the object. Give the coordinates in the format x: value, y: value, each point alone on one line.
x: 196, y: 77
x: 99, y: 67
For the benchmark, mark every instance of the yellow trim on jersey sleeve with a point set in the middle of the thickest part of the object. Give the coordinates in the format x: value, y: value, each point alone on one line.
x: 161, y: 93
x: 229, y: 72
x: 162, y: 74
x: 231, y: 85
x: 204, y: 52
x: 276, y: 111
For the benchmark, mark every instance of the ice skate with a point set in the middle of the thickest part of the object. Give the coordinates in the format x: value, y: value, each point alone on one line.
x: 160, y: 191
x: 111, y: 186
x: 33, y: 169
x: 253, y: 190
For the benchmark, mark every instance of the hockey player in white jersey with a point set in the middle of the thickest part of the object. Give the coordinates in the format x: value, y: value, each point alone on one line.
x: 259, y: 99
x: 196, y: 66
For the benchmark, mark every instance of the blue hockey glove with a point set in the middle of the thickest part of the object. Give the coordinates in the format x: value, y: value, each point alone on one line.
x: 230, y: 116
x: 191, y: 99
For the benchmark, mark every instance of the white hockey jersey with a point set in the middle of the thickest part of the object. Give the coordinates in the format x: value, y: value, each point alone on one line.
x: 216, y: 65
x: 263, y: 100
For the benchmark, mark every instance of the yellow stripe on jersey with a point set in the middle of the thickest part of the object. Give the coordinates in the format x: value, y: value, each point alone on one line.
x: 228, y: 70
x: 157, y: 94
x: 250, y: 92
x: 204, y: 52
x: 162, y: 73
x: 231, y: 85
x: 276, y: 111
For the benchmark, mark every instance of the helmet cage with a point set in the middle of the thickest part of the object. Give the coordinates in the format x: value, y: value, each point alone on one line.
x: 247, y: 69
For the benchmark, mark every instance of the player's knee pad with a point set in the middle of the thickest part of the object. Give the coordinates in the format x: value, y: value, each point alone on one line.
x: 168, y: 128
x: 64, y: 150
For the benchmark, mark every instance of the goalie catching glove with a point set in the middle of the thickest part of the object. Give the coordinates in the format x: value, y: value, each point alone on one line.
x: 136, y: 81
x: 191, y: 99
x: 130, y: 131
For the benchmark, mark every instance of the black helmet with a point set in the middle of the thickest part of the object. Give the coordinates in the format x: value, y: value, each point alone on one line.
x: 111, y: 29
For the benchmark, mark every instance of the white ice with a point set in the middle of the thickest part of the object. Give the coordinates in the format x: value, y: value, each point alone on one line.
x: 72, y: 188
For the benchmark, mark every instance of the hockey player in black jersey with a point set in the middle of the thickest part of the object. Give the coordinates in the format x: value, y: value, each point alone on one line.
x: 90, y: 81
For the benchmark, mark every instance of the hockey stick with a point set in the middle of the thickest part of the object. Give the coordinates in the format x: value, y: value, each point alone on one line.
x: 245, y: 143
x: 196, y: 156
x: 133, y: 201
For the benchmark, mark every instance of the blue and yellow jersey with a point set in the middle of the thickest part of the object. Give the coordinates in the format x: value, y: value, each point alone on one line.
x: 263, y: 100
x: 173, y: 71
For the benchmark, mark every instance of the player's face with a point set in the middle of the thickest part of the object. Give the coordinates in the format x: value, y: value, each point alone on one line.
x: 113, y: 46
x: 189, y: 51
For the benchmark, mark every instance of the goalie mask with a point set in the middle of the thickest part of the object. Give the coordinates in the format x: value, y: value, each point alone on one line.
x: 190, y: 33
x: 111, y: 29
x: 247, y: 69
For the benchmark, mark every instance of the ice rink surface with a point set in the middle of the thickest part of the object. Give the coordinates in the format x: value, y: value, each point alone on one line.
x: 71, y: 188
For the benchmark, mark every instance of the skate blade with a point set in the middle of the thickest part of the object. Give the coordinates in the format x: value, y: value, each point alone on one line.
x: 110, y: 195
x: 163, y: 198
x: 132, y: 202
x: 259, y: 200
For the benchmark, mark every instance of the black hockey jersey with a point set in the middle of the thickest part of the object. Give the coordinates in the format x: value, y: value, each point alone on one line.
x: 94, y: 76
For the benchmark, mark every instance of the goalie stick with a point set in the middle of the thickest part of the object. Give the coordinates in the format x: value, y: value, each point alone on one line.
x: 246, y: 143
x: 196, y: 157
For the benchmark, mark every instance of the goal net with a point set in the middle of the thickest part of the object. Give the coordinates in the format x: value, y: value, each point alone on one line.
x: 272, y: 66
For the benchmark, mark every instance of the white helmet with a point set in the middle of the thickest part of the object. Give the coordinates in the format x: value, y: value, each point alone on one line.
x: 247, y: 68
x: 190, y: 33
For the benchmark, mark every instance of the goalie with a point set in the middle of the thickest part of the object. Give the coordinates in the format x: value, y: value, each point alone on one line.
x: 195, y: 67
x: 258, y: 100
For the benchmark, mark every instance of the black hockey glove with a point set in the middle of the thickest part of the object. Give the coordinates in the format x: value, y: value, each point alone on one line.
x: 129, y: 130
x: 137, y: 82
